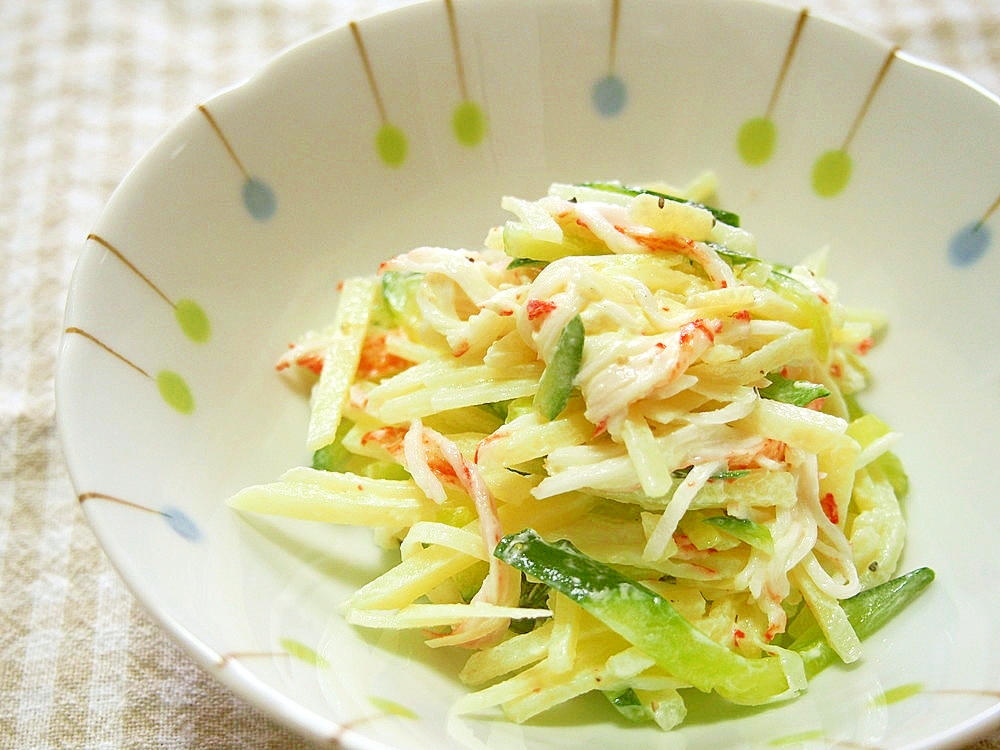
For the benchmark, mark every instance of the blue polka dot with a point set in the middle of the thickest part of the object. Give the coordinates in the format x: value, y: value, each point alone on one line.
x: 259, y: 199
x: 609, y: 95
x: 181, y: 523
x: 969, y: 244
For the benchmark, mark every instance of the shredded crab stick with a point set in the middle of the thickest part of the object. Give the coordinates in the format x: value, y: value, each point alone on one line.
x: 500, y: 586
x: 616, y: 451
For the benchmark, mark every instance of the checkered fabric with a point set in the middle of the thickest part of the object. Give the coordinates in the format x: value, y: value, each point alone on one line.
x: 86, y: 87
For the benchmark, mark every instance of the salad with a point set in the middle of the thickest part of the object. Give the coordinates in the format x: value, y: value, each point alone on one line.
x: 617, y: 451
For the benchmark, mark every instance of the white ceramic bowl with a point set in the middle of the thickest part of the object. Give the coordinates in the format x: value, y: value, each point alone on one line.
x: 229, y: 237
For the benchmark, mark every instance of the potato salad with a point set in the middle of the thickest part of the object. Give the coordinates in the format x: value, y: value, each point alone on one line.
x: 616, y: 448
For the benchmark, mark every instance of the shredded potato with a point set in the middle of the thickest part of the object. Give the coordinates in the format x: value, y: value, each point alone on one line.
x: 708, y: 443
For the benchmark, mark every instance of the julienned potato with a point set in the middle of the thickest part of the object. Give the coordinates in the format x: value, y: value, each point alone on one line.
x: 617, y: 451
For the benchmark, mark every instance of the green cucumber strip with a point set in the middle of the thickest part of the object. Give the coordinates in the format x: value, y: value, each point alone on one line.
x: 522, y: 262
x: 815, y: 311
x: 733, y: 257
x: 727, y: 217
x: 520, y: 244
x: 557, y: 379
x: 755, y: 534
x: 330, y: 457
x: 385, y: 470
x: 398, y: 292
x: 736, y: 258
x: 334, y: 456
x: 665, y: 707
x: 893, y: 469
x: 867, y: 612
x: 854, y: 408
x: 725, y: 474
x: 867, y: 427
x: 497, y: 408
x: 534, y: 595
x: 628, y: 705
x: 518, y: 407
x: 645, y: 619
x: 796, y: 392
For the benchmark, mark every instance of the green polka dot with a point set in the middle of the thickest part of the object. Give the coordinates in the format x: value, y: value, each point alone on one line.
x: 390, y: 142
x: 897, y: 694
x: 831, y: 173
x: 301, y: 651
x: 755, y: 141
x: 175, y: 391
x: 392, y: 708
x: 798, y: 738
x: 193, y: 320
x: 469, y: 123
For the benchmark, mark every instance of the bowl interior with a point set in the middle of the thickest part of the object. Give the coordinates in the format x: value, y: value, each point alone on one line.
x: 405, y: 129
